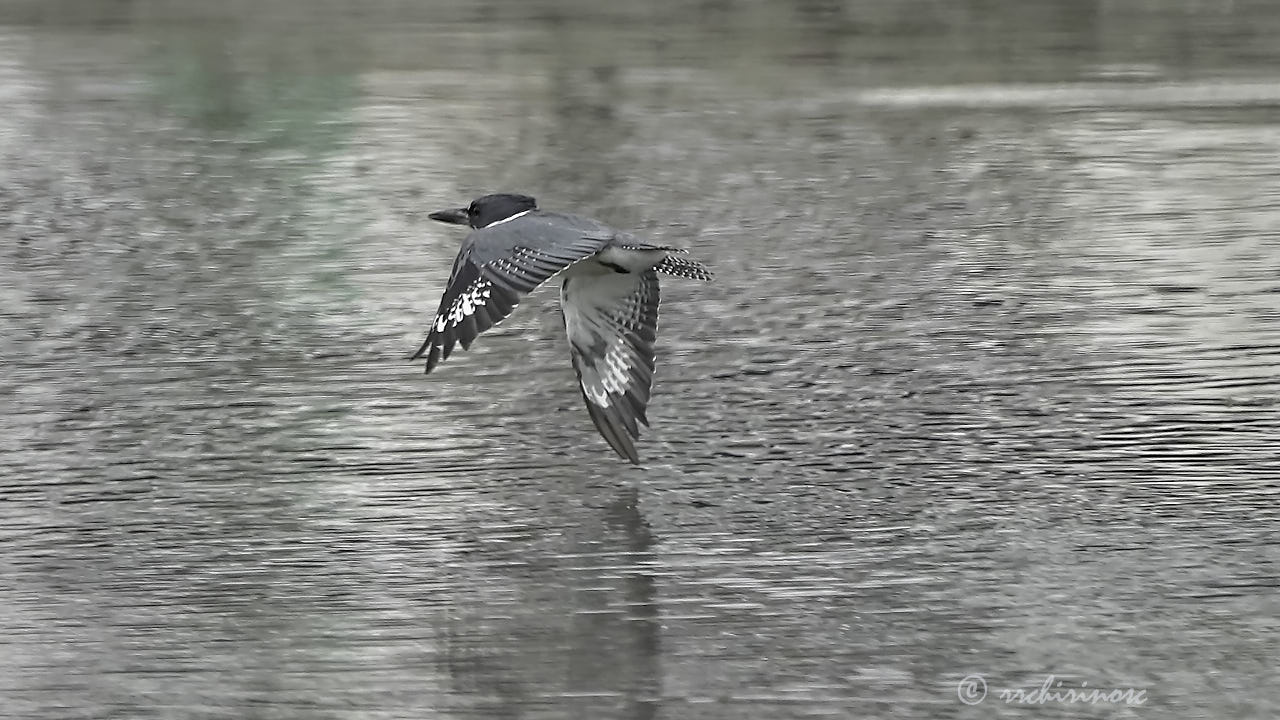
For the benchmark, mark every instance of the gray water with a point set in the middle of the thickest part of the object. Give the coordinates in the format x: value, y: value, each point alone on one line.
x: 986, y: 384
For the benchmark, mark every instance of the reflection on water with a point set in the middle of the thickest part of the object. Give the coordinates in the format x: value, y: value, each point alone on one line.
x: 986, y: 383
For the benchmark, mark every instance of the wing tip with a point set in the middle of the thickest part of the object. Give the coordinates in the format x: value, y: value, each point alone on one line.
x: 630, y: 455
x: 431, y: 351
x: 421, y: 351
x: 614, y: 430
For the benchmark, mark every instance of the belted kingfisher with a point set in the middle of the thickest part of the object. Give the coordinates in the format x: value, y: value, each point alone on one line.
x: 609, y: 299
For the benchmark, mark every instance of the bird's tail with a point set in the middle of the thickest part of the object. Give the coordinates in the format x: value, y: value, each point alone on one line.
x: 683, y: 267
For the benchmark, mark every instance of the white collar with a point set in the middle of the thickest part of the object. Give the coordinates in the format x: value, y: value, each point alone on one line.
x: 503, y: 220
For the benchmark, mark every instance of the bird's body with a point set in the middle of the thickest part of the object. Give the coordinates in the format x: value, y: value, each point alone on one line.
x: 609, y: 299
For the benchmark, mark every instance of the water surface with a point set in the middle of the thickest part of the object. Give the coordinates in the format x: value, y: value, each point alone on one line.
x: 986, y: 383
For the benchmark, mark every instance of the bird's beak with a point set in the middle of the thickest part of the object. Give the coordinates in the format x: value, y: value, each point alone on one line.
x: 454, y: 216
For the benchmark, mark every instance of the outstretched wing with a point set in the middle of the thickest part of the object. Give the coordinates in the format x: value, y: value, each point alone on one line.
x: 481, y: 295
x: 612, y: 320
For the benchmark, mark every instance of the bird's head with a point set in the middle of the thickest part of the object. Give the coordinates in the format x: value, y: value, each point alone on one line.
x: 487, y: 210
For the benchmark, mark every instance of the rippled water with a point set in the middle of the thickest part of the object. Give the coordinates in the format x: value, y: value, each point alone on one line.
x: 986, y: 384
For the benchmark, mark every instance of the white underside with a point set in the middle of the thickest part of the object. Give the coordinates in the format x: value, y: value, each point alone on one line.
x: 586, y: 302
x: 591, y: 295
x: 635, y: 261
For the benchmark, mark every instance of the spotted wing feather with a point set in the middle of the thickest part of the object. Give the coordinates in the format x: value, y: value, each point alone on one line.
x: 481, y: 295
x: 612, y: 321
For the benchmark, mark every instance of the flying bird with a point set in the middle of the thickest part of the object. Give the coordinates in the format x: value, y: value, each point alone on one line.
x: 609, y: 299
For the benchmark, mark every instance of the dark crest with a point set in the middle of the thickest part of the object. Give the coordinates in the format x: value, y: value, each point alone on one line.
x: 487, y: 210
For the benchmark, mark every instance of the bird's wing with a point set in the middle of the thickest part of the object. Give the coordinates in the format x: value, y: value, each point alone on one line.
x: 612, y: 320
x: 482, y: 294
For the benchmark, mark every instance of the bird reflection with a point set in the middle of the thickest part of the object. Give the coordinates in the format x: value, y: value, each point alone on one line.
x: 577, y: 626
